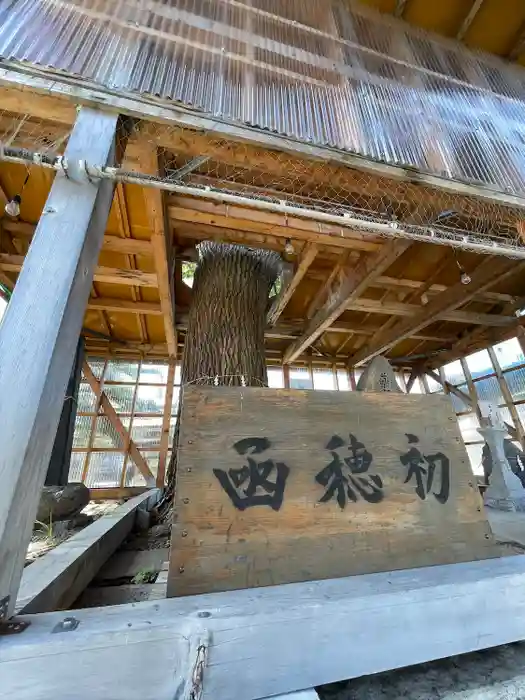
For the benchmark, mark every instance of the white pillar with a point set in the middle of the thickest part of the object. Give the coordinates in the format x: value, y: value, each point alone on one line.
x: 40, y: 332
x: 505, y: 491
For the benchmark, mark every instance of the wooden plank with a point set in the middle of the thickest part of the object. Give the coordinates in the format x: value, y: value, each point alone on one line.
x: 117, y: 424
x: 470, y: 17
x: 352, y: 286
x: 284, y: 226
x: 458, y: 316
x: 124, y: 305
x: 278, y: 629
x: 129, y: 562
x: 224, y: 541
x: 291, y: 283
x: 109, y: 275
x: 166, y: 423
x: 395, y: 283
x: 115, y: 492
x: 39, y: 334
x: 113, y: 244
x: 54, y: 581
x: 143, y: 157
x: 487, y: 274
x: 509, y: 399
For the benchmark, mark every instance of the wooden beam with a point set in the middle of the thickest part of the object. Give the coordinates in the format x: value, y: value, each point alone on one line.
x: 352, y: 286
x: 487, y: 274
x: 277, y: 627
x: 143, y: 157
x: 54, y: 581
x: 518, y: 46
x: 390, y: 308
x: 109, y: 275
x: 290, y: 284
x: 470, y: 17
x: 110, y: 244
x: 39, y: 335
x: 225, y: 216
x: 414, y: 374
x: 400, y: 8
x: 117, y: 424
x: 402, y: 283
x: 166, y: 424
x: 124, y: 305
x: 507, y: 396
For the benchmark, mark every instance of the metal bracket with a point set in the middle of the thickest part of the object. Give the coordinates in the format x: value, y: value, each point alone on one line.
x: 13, y: 626
x: 68, y: 624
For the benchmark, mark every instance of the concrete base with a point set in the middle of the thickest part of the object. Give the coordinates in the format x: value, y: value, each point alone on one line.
x: 508, y: 504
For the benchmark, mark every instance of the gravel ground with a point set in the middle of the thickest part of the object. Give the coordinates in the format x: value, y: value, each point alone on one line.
x: 493, y: 674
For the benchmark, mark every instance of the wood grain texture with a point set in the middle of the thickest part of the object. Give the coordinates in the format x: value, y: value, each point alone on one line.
x: 269, y: 641
x: 40, y: 332
x: 55, y: 581
x: 217, y: 547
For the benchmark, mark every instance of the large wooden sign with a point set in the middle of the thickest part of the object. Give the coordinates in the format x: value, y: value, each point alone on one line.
x: 276, y: 486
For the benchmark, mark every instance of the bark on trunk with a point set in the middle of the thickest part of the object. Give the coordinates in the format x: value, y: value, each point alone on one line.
x: 225, y: 337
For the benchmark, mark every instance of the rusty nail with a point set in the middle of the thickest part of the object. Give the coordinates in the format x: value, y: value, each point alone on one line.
x: 181, y: 569
x: 184, y: 533
x: 185, y: 500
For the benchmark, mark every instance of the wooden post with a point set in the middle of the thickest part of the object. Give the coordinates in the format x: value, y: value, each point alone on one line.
x: 166, y: 422
x: 40, y: 332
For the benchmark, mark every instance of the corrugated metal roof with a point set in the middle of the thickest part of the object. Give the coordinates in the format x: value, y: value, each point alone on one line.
x: 319, y: 72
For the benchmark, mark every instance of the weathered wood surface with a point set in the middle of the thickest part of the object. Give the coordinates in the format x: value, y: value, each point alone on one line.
x: 55, y: 581
x: 269, y: 641
x: 130, y: 562
x: 40, y: 332
x: 215, y: 546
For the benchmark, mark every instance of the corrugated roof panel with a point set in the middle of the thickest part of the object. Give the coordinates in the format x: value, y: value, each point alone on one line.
x: 307, y: 69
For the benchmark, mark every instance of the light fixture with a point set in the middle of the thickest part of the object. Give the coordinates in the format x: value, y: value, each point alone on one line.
x: 288, y: 247
x: 464, y: 275
x: 13, y: 206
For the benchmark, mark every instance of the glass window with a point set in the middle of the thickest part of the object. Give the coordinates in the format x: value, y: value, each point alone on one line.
x: 323, y: 379
x: 509, y: 353
x: 175, y: 401
x: 86, y: 400
x: 433, y: 386
x: 153, y: 373
x: 120, y: 397
x: 454, y: 373
x: 82, y: 431
x: 76, y: 466
x: 468, y: 426
x: 515, y: 379
x: 150, y: 399
x: 275, y: 377
x: 474, y: 453
x: 479, y: 364
x: 105, y: 470
x: 343, y: 381
x: 121, y: 371
x: 177, y: 374
x: 97, y: 366
x: 106, y: 435
x: 489, y: 390
x: 146, y: 431
x: 300, y: 378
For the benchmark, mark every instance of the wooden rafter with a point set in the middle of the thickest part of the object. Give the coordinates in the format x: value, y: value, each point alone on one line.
x: 470, y: 17
x: 117, y: 424
x: 125, y: 305
x: 166, y: 423
x: 124, y: 227
x: 519, y: 45
x: 400, y: 8
x: 352, y: 286
x: 487, y: 274
x: 392, y: 308
x: 144, y: 157
x: 291, y: 280
x: 109, y: 275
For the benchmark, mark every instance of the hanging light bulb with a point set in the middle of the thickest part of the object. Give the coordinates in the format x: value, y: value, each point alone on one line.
x: 288, y: 247
x: 13, y: 206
